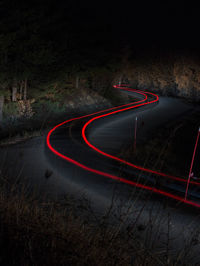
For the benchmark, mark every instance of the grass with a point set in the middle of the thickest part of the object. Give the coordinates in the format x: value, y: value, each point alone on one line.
x: 38, y: 231
x: 35, y: 232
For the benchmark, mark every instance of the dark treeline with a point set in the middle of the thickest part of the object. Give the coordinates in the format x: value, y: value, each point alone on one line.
x: 44, y: 41
x: 90, y: 44
x: 44, y: 37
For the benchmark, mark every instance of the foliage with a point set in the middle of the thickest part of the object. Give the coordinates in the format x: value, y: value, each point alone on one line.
x: 11, y: 110
x: 48, y: 46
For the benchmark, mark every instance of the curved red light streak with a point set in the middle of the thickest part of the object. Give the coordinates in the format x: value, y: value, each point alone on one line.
x: 124, y: 161
x: 188, y: 181
x: 117, y: 178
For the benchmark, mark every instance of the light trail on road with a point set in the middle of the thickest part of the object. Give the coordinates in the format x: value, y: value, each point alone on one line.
x: 108, y: 112
x: 121, y: 160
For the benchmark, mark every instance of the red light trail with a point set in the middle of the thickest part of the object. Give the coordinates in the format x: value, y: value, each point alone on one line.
x: 116, y: 110
x: 121, y: 160
x: 188, y: 181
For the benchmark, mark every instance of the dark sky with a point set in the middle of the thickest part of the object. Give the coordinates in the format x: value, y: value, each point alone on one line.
x: 142, y: 25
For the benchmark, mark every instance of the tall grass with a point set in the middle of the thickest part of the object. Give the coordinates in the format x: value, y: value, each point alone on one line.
x: 37, y: 231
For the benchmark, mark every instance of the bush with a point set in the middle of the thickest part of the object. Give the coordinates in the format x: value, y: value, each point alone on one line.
x: 10, y: 110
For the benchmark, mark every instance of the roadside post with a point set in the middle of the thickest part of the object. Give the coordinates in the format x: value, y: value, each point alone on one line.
x: 135, y: 134
x: 190, y: 173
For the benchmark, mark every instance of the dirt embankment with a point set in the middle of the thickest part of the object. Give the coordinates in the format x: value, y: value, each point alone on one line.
x: 177, y: 76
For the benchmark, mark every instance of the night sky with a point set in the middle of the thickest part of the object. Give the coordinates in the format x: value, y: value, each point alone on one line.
x: 74, y: 32
x: 143, y: 26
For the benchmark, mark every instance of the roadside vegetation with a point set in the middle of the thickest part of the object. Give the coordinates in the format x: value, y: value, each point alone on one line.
x: 36, y: 231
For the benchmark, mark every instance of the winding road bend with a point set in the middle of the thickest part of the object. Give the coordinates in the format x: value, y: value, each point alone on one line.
x: 86, y: 148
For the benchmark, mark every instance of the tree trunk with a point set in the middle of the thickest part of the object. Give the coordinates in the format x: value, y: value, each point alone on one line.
x: 1, y: 107
x: 25, y: 89
x: 21, y: 90
x: 14, y: 93
x: 77, y: 82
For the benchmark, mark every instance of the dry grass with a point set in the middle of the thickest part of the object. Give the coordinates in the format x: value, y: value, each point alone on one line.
x: 68, y: 232
x: 47, y: 233
x: 35, y: 232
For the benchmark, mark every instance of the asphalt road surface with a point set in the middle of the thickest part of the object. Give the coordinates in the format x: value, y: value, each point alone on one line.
x: 86, y: 148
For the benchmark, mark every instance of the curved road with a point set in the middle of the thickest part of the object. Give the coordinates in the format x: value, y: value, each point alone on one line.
x: 86, y: 147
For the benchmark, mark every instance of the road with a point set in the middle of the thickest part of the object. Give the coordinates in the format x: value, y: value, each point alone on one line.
x: 91, y: 143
